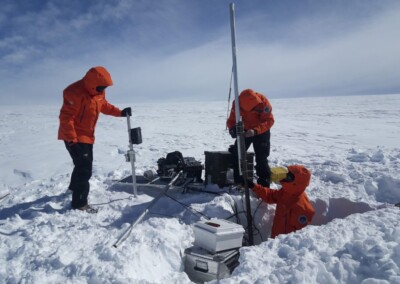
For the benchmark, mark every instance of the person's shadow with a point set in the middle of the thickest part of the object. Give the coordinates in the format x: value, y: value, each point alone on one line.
x: 47, y: 204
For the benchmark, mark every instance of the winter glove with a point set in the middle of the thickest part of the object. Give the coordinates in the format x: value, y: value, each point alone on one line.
x: 232, y: 132
x: 126, y: 111
x: 250, y: 183
x: 250, y: 133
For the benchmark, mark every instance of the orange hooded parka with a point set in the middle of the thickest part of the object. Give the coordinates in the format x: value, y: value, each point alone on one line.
x: 82, y: 105
x: 293, y: 209
x: 256, y: 112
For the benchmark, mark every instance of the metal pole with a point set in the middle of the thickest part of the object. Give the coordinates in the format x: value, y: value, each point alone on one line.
x: 240, y: 143
x: 235, y: 83
x: 125, y: 235
x: 4, y: 196
x: 131, y: 155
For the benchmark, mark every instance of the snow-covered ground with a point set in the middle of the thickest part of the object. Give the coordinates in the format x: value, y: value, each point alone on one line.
x: 351, y: 145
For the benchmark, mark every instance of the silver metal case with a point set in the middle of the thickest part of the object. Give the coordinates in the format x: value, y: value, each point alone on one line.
x: 202, y: 266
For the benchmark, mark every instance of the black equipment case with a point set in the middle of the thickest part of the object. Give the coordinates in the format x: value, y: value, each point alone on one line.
x: 218, y: 163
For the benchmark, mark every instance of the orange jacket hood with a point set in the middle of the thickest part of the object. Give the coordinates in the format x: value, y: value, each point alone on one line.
x: 96, y: 76
x: 256, y: 112
x: 82, y: 105
x: 302, y: 177
x: 248, y: 100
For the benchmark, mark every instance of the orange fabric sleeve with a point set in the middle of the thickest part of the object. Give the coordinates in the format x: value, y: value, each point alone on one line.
x: 264, y: 126
x: 110, y: 109
x: 268, y: 195
x: 68, y: 112
x: 231, y: 122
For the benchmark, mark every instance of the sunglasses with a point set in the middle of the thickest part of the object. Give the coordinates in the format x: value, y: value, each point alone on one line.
x: 289, y: 177
x: 100, y: 89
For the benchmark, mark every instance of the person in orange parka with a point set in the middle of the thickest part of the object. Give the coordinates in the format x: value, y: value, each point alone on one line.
x: 293, y: 209
x: 82, y: 104
x: 256, y: 112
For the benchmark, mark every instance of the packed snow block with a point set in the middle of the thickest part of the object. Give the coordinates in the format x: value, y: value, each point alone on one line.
x: 202, y: 266
x: 217, y: 235
x: 218, y: 164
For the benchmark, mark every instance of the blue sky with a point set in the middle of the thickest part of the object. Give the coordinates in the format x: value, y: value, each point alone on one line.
x: 180, y: 50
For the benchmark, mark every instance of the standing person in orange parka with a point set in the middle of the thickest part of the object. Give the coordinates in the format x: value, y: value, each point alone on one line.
x: 256, y: 112
x: 83, y: 102
x: 293, y: 209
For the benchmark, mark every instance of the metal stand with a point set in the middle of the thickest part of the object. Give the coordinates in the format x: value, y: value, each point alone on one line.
x: 4, y: 196
x: 130, y: 157
x: 125, y: 235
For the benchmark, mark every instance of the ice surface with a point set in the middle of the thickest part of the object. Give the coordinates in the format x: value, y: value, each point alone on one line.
x: 351, y: 145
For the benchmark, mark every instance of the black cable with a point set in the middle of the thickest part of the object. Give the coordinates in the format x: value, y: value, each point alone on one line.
x: 235, y: 209
x: 161, y: 214
x: 206, y: 191
x: 229, y: 96
x: 254, y: 214
x: 235, y: 215
x: 111, y: 201
x: 188, y: 207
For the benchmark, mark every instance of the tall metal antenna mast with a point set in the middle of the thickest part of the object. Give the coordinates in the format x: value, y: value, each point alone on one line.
x: 241, y: 149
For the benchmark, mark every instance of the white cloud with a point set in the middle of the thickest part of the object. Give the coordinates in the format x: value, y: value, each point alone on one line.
x: 149, y: 63
x: 361, y: 60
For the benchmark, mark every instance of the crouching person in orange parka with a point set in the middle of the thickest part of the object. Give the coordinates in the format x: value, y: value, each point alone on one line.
x: 293, y: 209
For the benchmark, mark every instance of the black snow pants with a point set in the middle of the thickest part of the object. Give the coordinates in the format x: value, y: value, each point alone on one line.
x: 261, y: 144
x: 82, y: 156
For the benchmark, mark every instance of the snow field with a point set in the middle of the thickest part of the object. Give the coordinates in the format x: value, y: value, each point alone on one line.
x: 349, y: 143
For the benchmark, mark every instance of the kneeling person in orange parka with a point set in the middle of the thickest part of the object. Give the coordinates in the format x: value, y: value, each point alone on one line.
x: 293, y: 209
